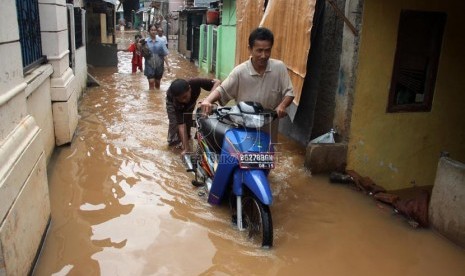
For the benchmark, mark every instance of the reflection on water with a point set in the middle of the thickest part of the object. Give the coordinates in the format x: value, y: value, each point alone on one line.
x: 122, y: 204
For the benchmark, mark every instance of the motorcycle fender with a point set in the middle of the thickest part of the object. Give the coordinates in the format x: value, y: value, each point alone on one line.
x: 256, y: 181
x: 221, y: 180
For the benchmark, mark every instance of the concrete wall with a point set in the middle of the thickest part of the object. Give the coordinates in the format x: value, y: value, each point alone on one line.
x: 400, y: 149
x: 336, y: 88
x: 447, y: 205
x: 325, y: 100
x: 226, y: 49
x: 347, y: 71
x: 80, y: 72
x: 28, y: 208
x: 226, y: 40
x: 173, y: 21
x: 226, y: 43
x: 38, y: 110
x: 80, y: 68
x: 54, y: 31
x: 24, y: 202
x: 39, y: 105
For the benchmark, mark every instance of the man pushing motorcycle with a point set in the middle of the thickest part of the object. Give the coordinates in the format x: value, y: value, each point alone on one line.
x: 259, y: 79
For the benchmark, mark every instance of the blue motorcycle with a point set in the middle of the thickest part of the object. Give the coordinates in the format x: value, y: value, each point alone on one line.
x: 232, y: 159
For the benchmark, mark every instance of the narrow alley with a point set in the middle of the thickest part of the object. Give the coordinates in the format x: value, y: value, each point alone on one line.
x: 122, y: 204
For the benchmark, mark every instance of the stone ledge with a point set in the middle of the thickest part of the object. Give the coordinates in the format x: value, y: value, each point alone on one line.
x: 22, y: 229
x: 324, y: 158
x: 62, y: 87
x: 19, y: 152
x: 447, y: 205
x: 60, y: 64
x: 37, y: 77
x: 65, y: 119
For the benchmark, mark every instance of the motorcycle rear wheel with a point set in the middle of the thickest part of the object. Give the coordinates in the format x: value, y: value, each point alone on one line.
x: 257, y: 221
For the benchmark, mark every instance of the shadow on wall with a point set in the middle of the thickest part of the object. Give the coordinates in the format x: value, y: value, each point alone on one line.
x: 102, y: 55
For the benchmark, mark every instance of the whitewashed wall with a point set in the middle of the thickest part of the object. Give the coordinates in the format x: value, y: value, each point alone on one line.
x: 37, y: 112
x: 24, y: 201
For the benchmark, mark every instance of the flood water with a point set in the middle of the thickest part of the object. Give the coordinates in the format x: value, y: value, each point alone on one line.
x: 122, y: 204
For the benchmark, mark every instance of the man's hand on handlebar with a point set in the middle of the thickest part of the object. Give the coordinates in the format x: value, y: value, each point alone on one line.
x: 206, y: 107
x: 281, y: 111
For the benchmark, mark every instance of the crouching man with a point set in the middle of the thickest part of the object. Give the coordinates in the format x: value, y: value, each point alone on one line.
x: 181, y: 98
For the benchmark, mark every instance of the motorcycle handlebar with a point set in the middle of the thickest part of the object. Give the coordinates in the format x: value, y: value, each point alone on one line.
x: 217, y: 110
x: 274, y: 114
x: 214, y: 108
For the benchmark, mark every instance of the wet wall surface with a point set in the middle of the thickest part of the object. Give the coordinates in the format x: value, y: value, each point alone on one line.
x: 122, y: 204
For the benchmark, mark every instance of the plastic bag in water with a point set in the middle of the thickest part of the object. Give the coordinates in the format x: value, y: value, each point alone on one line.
x: 327, y: 138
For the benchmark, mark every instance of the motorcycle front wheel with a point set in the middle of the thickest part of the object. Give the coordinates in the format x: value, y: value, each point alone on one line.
x: 257, y: 221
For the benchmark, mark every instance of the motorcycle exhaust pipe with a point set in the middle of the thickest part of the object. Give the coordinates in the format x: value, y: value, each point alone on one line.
x: 188, y: 163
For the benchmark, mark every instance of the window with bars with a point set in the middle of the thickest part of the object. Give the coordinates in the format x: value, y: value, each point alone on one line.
x: 29, y: 33
x: 416, y: 61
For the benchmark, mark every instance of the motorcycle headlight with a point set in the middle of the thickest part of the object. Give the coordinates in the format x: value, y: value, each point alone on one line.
x: 253, y: 120
x: 247, y: 115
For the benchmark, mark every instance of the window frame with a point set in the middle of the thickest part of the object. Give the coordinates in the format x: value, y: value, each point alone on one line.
x: 438, y: 19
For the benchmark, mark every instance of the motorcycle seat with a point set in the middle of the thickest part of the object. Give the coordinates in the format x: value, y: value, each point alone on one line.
x: 213, y: 131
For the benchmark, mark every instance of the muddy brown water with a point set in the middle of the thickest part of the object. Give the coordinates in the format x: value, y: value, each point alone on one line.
x: 122, y: 204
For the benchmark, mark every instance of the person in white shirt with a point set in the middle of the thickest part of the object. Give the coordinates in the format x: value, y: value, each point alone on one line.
x: 161, y: 36
x: 259, y: 79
